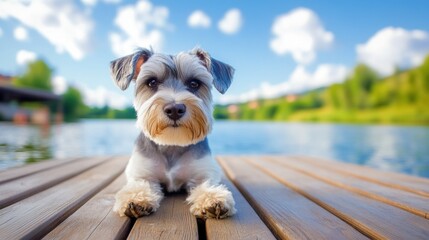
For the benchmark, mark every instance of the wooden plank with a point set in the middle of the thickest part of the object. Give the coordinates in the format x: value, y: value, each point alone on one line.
x: 400, y: 181
x: 288, y: 214
x: 35, y: 216
x: 21, y: 188
x: 96, y: 219
x: 22, y: 171
x: 171, y: 221
x: 245, y: 224
x: 373, y: 218
x: 413, y: 203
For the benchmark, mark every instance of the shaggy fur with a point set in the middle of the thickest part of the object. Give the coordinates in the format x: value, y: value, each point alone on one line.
x: 173, y: 152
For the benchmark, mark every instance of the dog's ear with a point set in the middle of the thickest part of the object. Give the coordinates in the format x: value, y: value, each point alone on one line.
x: 222, y: 73
x: 127, y: 68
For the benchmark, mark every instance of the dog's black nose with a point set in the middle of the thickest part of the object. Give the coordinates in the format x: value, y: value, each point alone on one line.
x: 175, y: 111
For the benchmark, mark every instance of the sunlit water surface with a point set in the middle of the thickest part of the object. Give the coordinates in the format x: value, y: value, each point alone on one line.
x: 392, y: 148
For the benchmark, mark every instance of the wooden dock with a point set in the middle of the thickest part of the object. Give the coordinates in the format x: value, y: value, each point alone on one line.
x: 276, y: 197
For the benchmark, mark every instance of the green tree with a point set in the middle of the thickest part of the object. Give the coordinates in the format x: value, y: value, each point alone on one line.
x: 422, y: 81
x: 335, y: 96
x: 73, y: 105
x: 220, y: 112
x: 127, y: 113
x: 283, y: 111
x: 37, y: 75
x: 359, y: 85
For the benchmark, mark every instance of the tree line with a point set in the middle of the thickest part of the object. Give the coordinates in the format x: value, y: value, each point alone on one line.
x: 38, y: 75
x: 363, y: 97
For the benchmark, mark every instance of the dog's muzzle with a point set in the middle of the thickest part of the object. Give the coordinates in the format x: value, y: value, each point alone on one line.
x: 175, y: 111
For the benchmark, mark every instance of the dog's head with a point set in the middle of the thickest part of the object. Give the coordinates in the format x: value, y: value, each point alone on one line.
x: 173, y: 93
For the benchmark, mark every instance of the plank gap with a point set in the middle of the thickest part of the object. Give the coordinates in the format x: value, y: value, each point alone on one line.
x: 202, y: 233
x: 126, y: 231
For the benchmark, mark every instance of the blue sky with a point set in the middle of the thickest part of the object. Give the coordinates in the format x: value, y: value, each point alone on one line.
x: 277, y: 48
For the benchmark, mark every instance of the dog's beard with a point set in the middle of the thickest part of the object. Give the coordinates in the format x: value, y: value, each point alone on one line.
x: 190, y: 129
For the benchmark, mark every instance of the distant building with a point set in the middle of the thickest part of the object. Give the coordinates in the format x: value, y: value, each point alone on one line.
x: 232, y: 109
x: 291, y: 98
x: 5, y: 80
x: 253, y: 104
x: 11, y: 108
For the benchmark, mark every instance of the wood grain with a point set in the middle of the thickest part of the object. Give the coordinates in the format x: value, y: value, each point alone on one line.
x: 172, y: 221
x: 22, y: 171
x: 95, y: 220
x: 405, y: 200
x: 245, y: 224
x: 408, y: 183
x: 35, y: 216
x: 276, y: 197
x: 288, y: 214
x: 21, y: 188
x: 373, y: 218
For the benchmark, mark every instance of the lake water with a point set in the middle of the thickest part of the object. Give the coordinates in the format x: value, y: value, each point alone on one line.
x: 393, y: 148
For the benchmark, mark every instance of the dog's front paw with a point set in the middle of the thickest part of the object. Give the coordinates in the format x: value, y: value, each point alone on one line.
x: 211, y: 202
x: 136, y: 202
x: 216, y: 210
x: 136, y: 210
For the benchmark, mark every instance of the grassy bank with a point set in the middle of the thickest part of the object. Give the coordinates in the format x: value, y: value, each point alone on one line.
x: 390, y: 115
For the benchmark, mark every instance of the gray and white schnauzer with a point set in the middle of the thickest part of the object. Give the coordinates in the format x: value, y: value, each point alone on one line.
x: 174, y: 113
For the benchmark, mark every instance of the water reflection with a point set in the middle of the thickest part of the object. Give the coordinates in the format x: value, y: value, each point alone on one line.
x: 34, y: 152
x: 392, y: 148
x: 24, y: 147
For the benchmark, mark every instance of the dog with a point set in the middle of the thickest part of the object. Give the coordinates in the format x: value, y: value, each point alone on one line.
x: 174, y: 109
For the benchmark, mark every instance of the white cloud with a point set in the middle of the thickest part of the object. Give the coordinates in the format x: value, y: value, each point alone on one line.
x: 20, y: 33
x: 89, y: 2
x: 92, y: 3
x: 199, y: 19
x: 394, y: 47
x: 60, y: 84
x: 24, y: 57
x: 299, y: 81
x: 300, y: 33
x: 231, y: 22
x: 101, y: 97
x: 140, y: 26
x: 60, y: 22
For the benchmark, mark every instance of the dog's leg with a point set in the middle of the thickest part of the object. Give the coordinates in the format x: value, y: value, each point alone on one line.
x: 211, y: 201
x: 138, y: 198
x: 207, y: 197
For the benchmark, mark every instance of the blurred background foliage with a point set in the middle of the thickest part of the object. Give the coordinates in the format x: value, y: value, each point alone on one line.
x: 38, y: 75
x: 363, y: 97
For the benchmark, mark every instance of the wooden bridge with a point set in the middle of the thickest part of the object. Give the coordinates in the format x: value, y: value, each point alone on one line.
x: 276, y: 197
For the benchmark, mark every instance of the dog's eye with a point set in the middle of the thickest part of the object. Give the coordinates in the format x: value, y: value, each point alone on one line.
x: 193, y: 84
x: 152, y: 83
